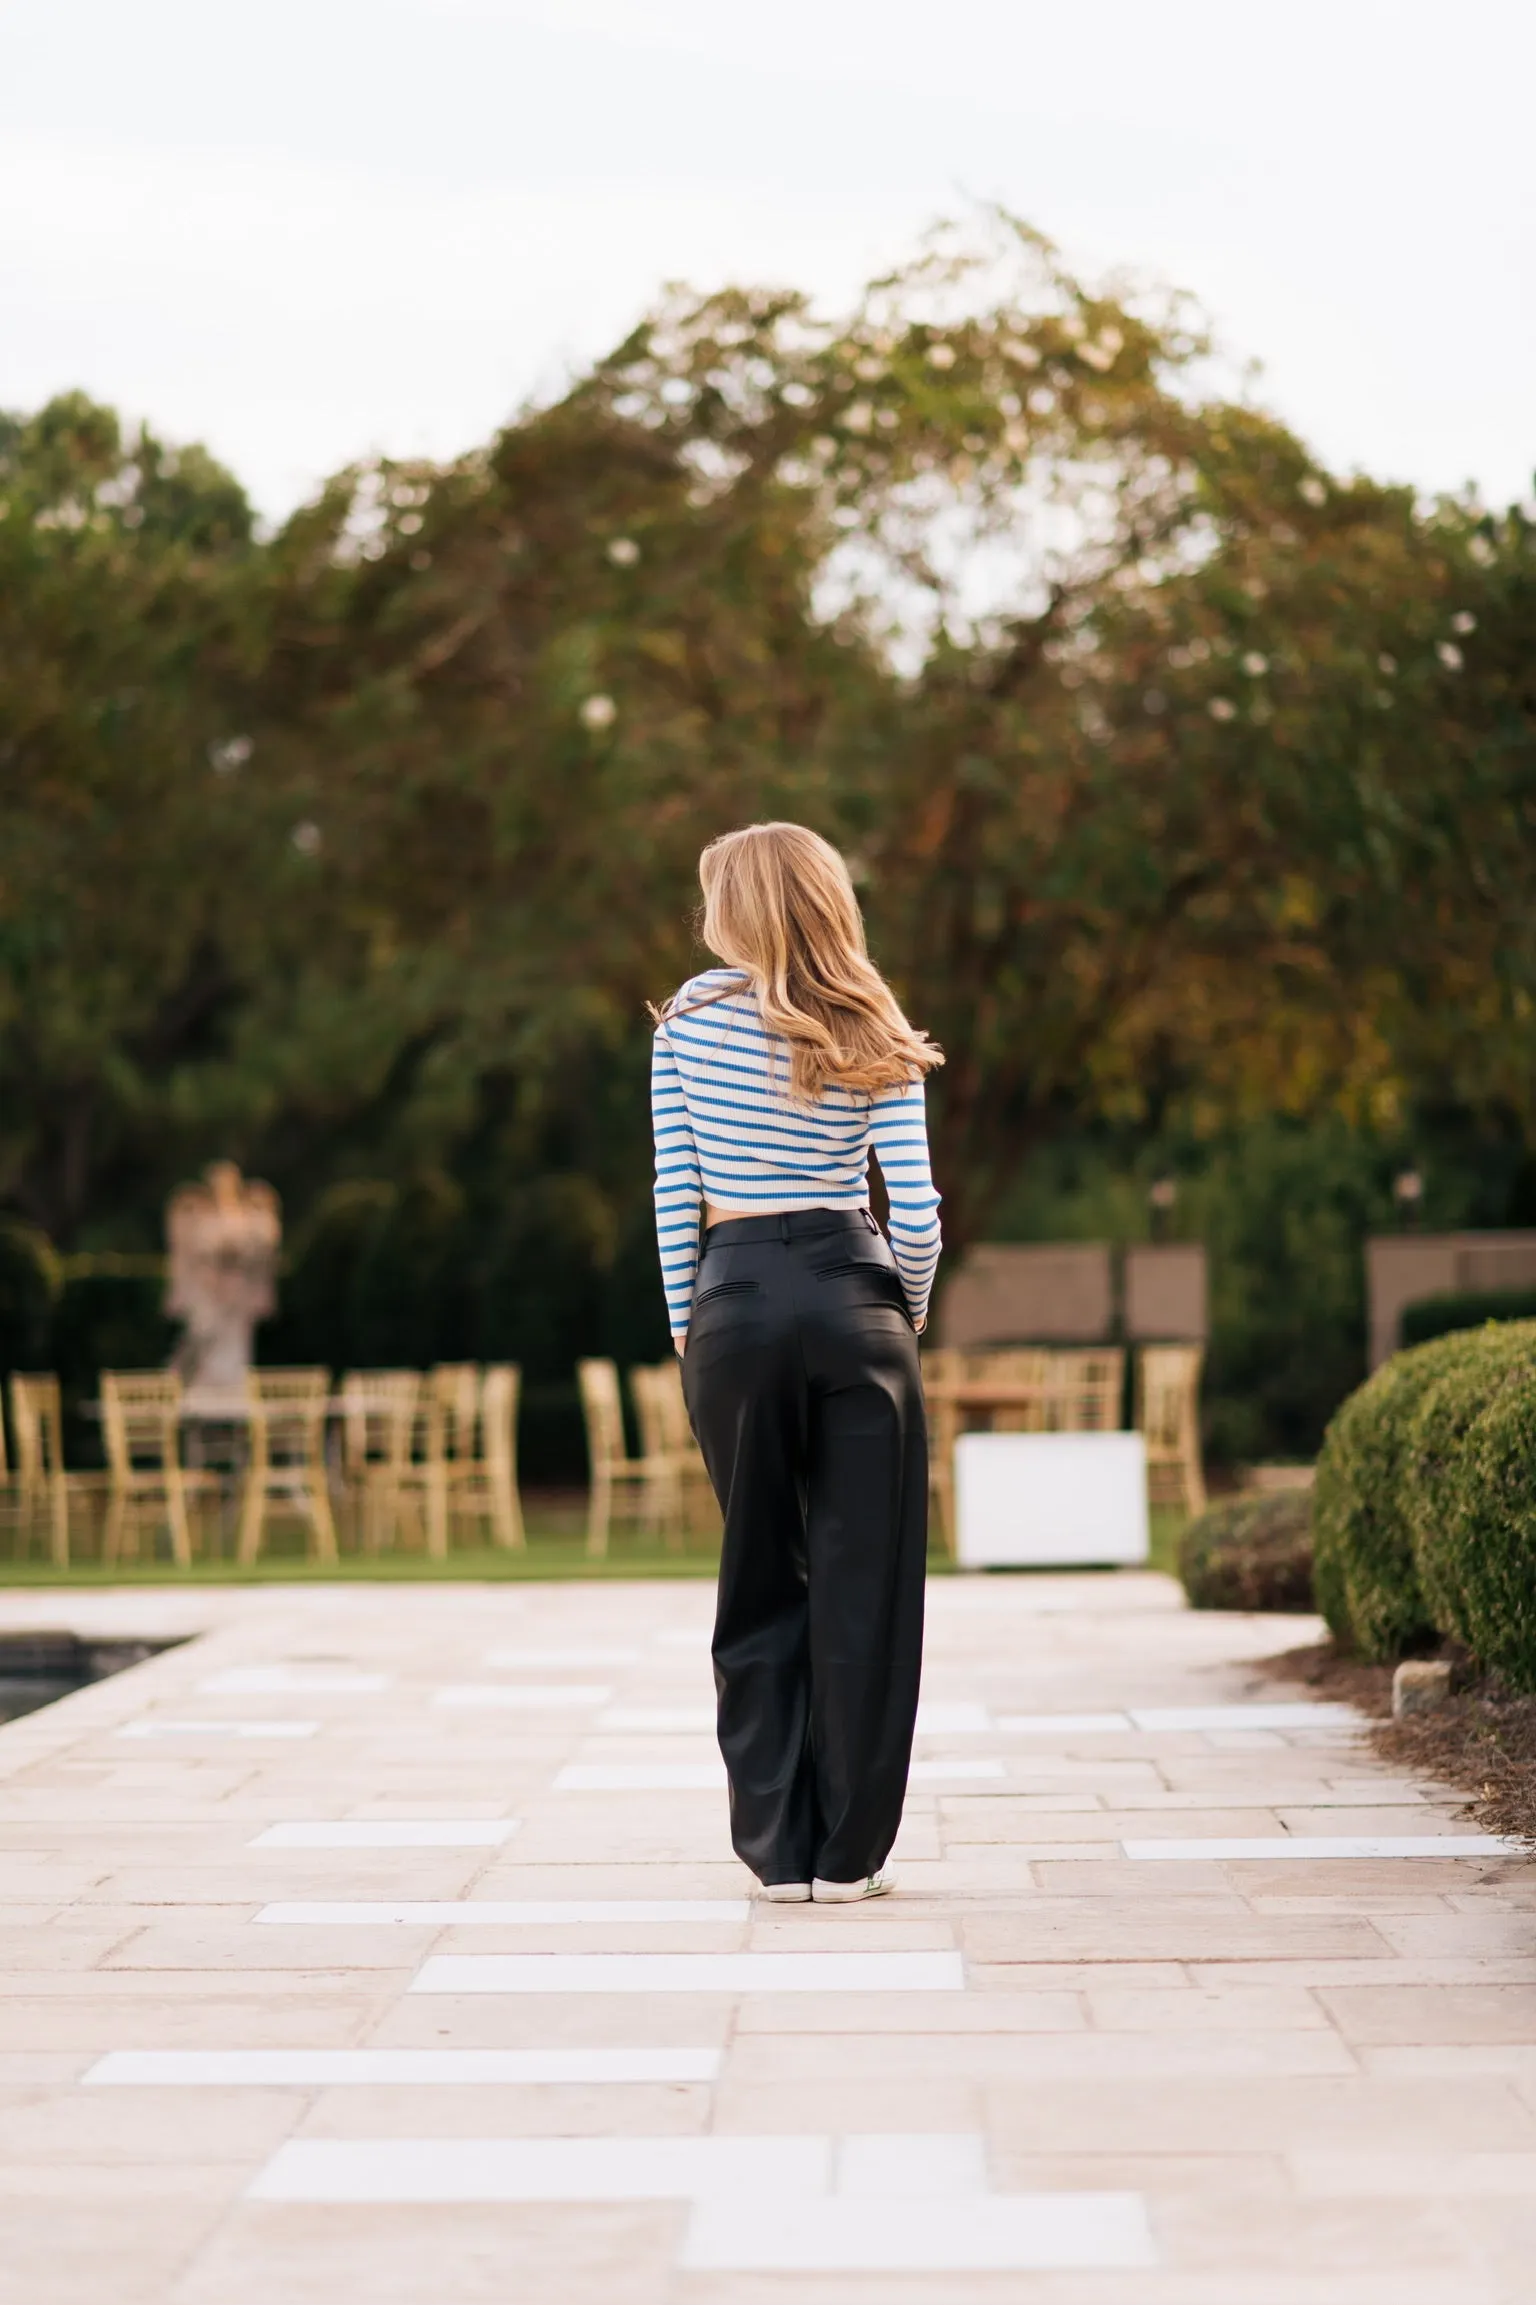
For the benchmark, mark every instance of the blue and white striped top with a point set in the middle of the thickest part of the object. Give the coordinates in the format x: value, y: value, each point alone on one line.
x: 727, y: 1131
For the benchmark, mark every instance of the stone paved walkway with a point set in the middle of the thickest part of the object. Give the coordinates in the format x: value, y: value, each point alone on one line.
x: 386, y: 1946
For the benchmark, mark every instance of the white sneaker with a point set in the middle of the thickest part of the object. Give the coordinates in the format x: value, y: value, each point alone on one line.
x: 785, y: 1892
x: 852, y: 1892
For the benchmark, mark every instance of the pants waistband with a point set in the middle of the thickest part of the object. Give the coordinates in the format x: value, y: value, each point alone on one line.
x: 794, y: 1225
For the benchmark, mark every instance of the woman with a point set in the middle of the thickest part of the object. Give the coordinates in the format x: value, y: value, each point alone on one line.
x: 772, y: 1079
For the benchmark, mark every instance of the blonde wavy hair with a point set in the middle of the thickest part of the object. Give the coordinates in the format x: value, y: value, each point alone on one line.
x: 779, y: 904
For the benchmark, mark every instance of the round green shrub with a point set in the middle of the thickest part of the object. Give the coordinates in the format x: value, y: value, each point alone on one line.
x: 1436, y: 1316
x: 1364, y: 1575
x: 1250, y: 1553
x: 1485, y: 1545
x: 1436, y: 1469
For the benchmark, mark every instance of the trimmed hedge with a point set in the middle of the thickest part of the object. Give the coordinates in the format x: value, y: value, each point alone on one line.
x: 1463, y: 1385
x: 1364, y: 1575
x: 1473, y: 1505
x: 1424, y: 1512
x: 1437, y: 1316
x: 1250, y: 1553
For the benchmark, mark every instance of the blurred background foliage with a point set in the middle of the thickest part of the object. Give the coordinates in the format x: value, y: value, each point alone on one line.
x: 1189, y: 786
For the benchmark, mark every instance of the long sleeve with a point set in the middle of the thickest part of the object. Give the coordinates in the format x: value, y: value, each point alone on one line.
x: 678, y: 1187
x: 898, y: 1130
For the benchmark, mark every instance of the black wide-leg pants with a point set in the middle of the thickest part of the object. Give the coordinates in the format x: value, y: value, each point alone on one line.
x: 801, y: 1376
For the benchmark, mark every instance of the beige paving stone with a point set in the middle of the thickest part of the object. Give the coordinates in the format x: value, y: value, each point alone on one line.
x: 262, y: 1876
x: 1403, y: 2176
x: 1362, y: 1817
x: 1209, y: 2036
x: 1459, y: 1935
x: 59, y: 1946
x: 1428, y: 1969
x: 880, y: 2016
x: 1432, y: 2014
x: 77, y: 2188
x: 1064, y: 1873
x: 883, y: 1927
x: 245, y: 1947
x: 1349, y: 1888
x: 210, y: 2018
x: 1195, y: 2009
x: 91, y: 2125
x: 1184, y: 1929
x: 1063, y: 2053
x: 1516, y: 2061
x: 1309, y: 2235
x: 1216, y: 2115
x: 129, y: 2251
x: 554, y: 2020
x: 1231, y: 2176
x: 577, y: 2255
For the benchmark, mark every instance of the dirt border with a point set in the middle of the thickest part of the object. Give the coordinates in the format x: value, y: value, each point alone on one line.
x: 1481, y: 1741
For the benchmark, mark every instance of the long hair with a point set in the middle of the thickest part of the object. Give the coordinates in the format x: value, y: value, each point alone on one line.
x: 779, y: 904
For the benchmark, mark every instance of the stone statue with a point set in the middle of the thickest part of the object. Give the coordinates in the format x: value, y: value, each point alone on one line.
x: 223, y: 1237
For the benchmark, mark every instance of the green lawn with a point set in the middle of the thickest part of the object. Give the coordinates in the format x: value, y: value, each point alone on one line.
x: 556, y: 1549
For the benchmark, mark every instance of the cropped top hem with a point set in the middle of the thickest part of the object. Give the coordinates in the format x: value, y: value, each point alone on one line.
x: 728, y: 1132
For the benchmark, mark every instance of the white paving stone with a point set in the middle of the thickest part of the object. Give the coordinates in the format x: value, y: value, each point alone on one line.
x: 388, y: 1833
x: 733, y: 1973
x: 942, y: 1719
x: 442, y: 2170
x: 1025, y: 2233
x: 395, y: 2068
x: 759, y: 2203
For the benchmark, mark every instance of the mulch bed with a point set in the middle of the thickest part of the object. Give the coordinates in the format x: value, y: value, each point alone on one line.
x: 1482, y: 1740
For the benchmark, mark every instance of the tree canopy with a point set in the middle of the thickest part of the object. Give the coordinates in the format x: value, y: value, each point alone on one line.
x: 1182, y: 776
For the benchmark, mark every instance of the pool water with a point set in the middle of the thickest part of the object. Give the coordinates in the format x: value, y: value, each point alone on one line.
x: 36, y: 1669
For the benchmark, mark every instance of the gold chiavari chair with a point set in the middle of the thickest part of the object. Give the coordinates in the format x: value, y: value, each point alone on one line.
x: 378, y: 1424
x: 147, y: 1483
x: 477, y: 1414
x: 44, y: 1489
x: 645, y: 1484
x: 699, y: 1507
x: 659, y: 1447
x: 1084, y: 1388
x: 1168, y: 1416
x: 285, y: 1468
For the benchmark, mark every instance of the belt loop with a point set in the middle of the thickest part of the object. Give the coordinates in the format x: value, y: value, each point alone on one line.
x: 869, y: 1218
x: 784, y: 1226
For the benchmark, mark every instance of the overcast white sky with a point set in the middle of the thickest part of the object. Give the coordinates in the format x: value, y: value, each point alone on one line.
x: 310, y: 228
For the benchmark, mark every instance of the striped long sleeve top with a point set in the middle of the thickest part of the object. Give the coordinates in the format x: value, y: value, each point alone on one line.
x: 727, y: 1131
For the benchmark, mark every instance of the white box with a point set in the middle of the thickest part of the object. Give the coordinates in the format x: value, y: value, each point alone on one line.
x: 1050, y: 1500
